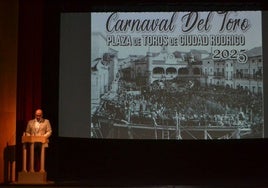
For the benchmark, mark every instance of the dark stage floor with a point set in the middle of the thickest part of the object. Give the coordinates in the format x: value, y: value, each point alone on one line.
x: 77, y: 184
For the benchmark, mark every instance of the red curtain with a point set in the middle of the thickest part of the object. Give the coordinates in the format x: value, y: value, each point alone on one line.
x: 29, y: 58
x: 29, y: 90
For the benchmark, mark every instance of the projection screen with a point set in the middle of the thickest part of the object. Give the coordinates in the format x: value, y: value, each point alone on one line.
x: 161, y: 75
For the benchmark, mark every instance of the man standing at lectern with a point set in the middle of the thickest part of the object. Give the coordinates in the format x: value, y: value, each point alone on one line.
x: 38, y: 127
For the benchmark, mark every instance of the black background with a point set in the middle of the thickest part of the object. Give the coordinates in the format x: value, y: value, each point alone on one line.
x: 145, y: 162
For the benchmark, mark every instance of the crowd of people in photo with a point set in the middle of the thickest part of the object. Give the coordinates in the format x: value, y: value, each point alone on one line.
x: 186, y: 103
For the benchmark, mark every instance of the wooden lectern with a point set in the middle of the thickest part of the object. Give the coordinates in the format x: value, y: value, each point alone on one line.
x: 31, y: 176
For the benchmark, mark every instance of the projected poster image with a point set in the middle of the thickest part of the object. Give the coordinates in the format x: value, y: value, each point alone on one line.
x: 176, y: 75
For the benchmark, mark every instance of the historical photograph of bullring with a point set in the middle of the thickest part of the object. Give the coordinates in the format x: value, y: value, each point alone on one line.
x: 176, y: 75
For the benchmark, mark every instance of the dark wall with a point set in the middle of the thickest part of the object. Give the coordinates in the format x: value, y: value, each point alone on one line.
x: 126, y: 162
x: 8, y: 82
x: 118, y: 162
